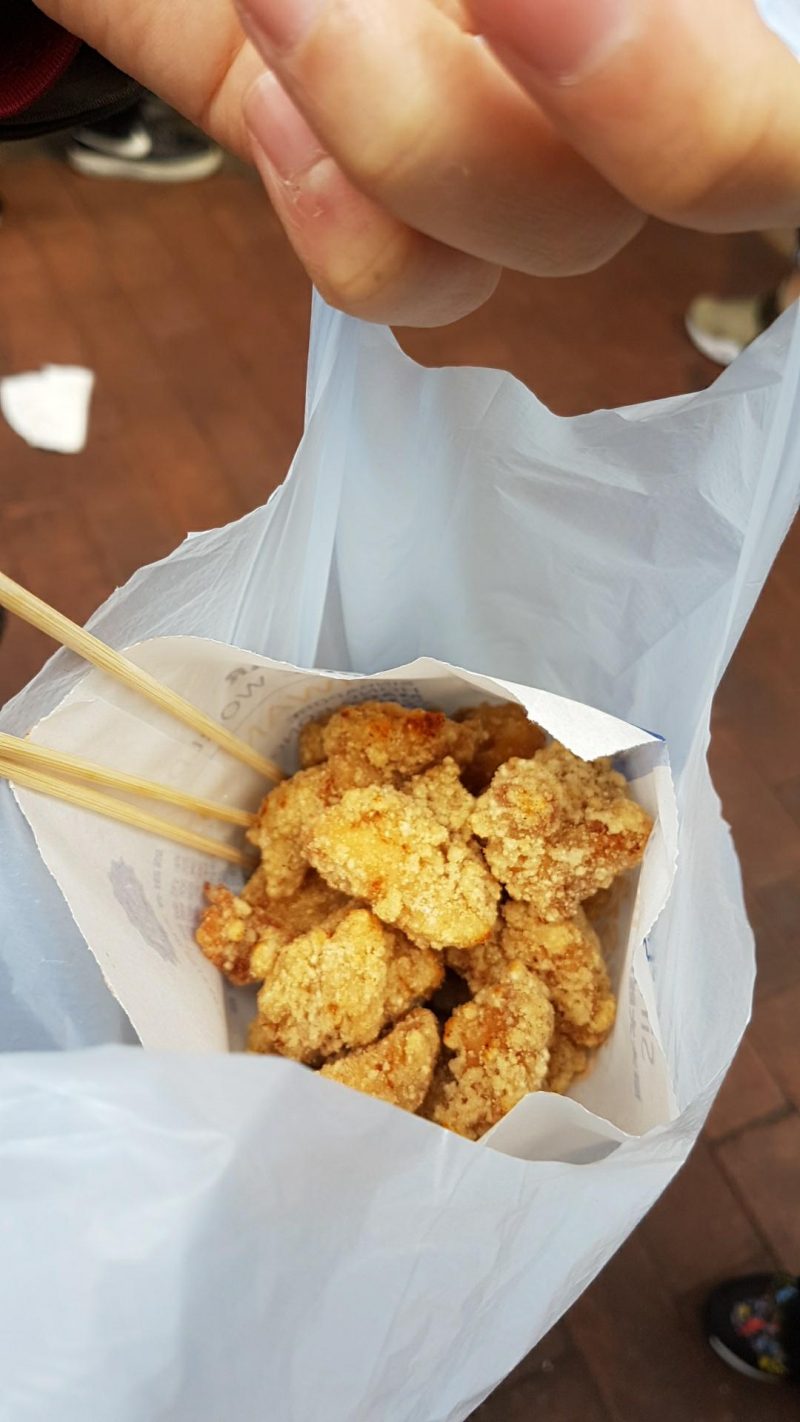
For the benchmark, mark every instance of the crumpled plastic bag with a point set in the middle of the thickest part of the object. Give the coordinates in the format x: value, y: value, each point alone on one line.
x: 168, y: 1251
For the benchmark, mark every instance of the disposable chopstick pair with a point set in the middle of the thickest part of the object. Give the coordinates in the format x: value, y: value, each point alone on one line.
x: 55, y: 772
x: 60, y: 763
x: 100, y: 804
x: 39, y: 614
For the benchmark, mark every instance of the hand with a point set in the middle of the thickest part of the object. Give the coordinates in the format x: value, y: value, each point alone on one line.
x: 193, y: 53
x: 410, y: 161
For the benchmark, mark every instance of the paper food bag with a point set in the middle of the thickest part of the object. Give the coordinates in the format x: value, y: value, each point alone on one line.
x: 196, y: 1236
x: 136, y: 898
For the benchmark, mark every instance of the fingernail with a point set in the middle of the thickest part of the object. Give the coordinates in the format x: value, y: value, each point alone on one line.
x: 279, y: 24
x: 279, y: 128
x: 560, y: 40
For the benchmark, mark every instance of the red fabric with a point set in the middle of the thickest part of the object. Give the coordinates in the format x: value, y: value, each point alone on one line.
x: 32, y: 57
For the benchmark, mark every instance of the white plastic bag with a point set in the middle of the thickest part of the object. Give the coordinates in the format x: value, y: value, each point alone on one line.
x: 168, y: 1250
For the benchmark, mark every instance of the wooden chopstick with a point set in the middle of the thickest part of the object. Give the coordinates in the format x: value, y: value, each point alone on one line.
x: 40, y: 615
x: 61, y: 763
x: 100, y: 804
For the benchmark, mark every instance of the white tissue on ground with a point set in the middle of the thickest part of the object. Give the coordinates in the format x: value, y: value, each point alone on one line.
x: 49, y: 408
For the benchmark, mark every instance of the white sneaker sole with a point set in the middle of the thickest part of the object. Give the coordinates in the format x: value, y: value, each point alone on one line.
x: 721, y: 349
x: 724, y: 1352
x: 144, y: 170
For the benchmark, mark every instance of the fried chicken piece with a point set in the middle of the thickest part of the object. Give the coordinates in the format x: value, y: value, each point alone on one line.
x: 413, y: 975
x: 440, y: 789
x: 287, y: 817
x: 284, y: 820
x: 314, y: 905
x: 239, y: 933
x: 228, y: 931
x: 508, y: 734
x: 356, y: 746
x: 382, y: 845
x: 311, y: 904
x: 569, y: 959
x: 255, y: 890
x: 483, y: 964
x: 500, y: 1042
x: 566, y: 1062
x: 557, y: 828
x: 399, y: 1067
x: 334, y: 988
x: 396, y: 740
x: 311, y: 743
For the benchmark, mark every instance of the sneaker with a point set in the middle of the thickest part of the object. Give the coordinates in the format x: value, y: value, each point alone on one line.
x: 148, y: 142
x: 753, y: 1324
x: 721, y: 327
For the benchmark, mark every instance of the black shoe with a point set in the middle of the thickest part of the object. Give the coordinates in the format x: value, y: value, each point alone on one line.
x: 753, y: 1324
x: 147, y: 142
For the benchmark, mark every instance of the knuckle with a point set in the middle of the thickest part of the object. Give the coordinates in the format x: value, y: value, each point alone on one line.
x: 392, y: 154
x: 696, y: 178
x: 219, y: 73
x: 378, y: 115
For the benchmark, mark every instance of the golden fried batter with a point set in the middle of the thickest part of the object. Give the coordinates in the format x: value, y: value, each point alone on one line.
x: 228, y: 931
x: 373, y: 877
x: 255, y: 890
x: 288, y: 814
x: 508, y: 734
x: 311, y: 743
x: 240, y: 933
x: 382, y: 845
x: 399, y: 1067
x: 483, y: 964
x: 394, y: 739
x: 441, y: 790
x: 557, y: 828
x: 566, y: 1062
x: 413, y: 975
x: 500, y: 1042
x: 314, y: 905
x: 283, y: 822
x: 335, y: 988
x: 311, y: 904
x: 569, y: 959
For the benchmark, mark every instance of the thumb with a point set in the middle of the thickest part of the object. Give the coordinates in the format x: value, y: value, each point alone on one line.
x: 690, y: 108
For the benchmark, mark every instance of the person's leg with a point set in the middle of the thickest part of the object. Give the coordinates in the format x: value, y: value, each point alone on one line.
x: 753, y: 1324
x: 791, y: 1331
x: 789, y: 290
x: 721, y: 327
x: 148, y: 142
